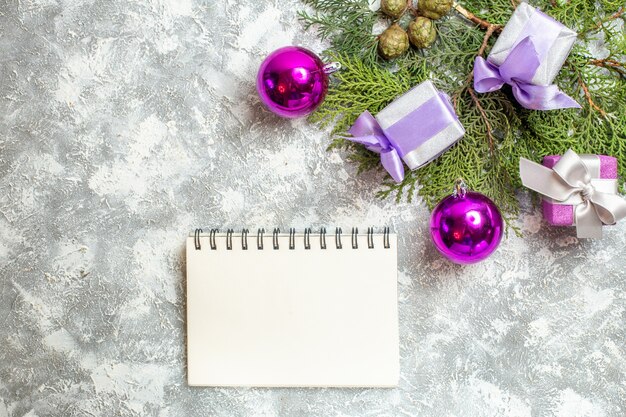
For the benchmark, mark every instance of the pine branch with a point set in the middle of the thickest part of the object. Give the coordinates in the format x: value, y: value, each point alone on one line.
x: 583, y: 15
x: 498, y: 130
x: 483, y: 115
x: 614, y: 16
x: 490, y: 31
x: 592, y: 104
x: 482, y: 23
x: 610, y: 64
x: 347, y: 25
x: 470, y: 90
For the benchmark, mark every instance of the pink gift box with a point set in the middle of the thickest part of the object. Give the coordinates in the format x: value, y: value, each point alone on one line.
x: 561, y: 214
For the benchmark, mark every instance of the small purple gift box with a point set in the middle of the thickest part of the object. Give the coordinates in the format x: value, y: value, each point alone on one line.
x: 552, y: 42
x: 599, y: 167
x: 577, y: 190
x: 528, y: 55
x: 415, y: 128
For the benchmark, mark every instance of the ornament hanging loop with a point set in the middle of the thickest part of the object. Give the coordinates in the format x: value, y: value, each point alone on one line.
x: 331, y: 67
x: 460, y: 188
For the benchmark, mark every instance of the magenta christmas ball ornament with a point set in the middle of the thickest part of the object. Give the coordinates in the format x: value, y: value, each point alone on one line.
x: 293, y: 81
x: 466, y: 227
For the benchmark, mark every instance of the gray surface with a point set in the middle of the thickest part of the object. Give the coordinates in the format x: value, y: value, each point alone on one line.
x: 126, y: 124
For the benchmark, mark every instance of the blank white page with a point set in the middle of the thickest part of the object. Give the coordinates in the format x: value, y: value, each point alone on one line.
x: 292, y: 317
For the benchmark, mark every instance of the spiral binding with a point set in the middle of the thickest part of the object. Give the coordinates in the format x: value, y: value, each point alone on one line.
x: 196, y: 238
x: 338, y: 238
x: 211, y: 239
x: 307, y: 238
x: 292, y: 238
x: 259, y: 239
x: 386, y: 244
x: 275, y: 238
x: 244, y: 239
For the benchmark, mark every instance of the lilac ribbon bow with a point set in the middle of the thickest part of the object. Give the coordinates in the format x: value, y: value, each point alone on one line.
x: 517, y: 70
x: 368, y: 132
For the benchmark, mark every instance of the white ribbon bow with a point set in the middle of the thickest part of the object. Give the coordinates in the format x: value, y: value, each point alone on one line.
x: 595, y: 201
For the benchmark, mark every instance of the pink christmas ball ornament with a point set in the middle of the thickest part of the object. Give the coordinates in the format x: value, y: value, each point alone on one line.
x: 466, y: 227
x: 293, y: 81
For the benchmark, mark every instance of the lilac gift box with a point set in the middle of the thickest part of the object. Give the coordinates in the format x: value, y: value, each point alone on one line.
x: 559, y: 214
x: 552, y: 39
x: 421, y: 124
x: 415, y: 128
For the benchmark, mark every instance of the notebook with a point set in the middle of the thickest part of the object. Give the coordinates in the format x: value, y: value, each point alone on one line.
x: 296, y: 309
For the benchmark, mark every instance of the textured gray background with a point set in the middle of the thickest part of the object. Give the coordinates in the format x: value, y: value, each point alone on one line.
x: 125, y: 124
